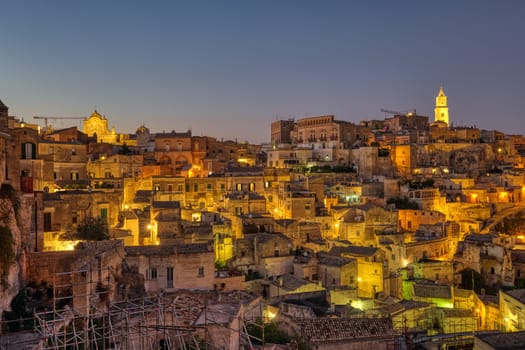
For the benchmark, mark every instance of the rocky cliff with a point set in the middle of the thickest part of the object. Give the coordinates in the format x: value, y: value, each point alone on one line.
x: 15, y: 221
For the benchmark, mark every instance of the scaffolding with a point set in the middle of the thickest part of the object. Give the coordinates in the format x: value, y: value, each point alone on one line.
x: 146, y: 323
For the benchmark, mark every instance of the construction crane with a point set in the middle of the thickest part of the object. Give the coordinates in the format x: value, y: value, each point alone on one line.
x: 388, y: 111
x: 55, y: 118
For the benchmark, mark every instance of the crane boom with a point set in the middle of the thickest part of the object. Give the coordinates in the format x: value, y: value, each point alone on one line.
x: 55, y: 118
x: 388, y: 111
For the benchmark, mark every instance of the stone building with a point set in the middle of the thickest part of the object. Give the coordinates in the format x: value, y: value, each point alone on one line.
x: 170, y: 267
x: 400, y: 254
x: 165, y: 222
x: 173, y: 151
x: 85, y: 276
x: 403, y: 159
x: 63, y: 211
x: 71, y: 134
x: 267, y: 254
x: 441, y: 110
x: 371, y: 267
x: 410, y: 220
x: 64, y: 164
x: 361, y: 224
x: 97, y: 126
x: 114, y: 166
x: 238, y: 203
x: 489, y: 255
x: 336, y: 271
x: 281, y: 131
x: 512, y: 310
x: 24, y: 166
x: 289, y: 156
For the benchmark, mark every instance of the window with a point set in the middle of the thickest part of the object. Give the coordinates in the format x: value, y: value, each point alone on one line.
x: 208, y: 187
x: 151, y: 273
x: 73, y: 152
x: 28, y: 151
x: 104, y: 214
x: 201, y: 271
x: 74, y: 217
x: 169, y: 277
x: 252, y: 187
x: 73, y: 175
x: 47, y: 222
x: 195, y: 187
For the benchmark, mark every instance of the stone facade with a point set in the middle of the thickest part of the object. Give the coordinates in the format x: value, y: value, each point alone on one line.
x: 170, y: 267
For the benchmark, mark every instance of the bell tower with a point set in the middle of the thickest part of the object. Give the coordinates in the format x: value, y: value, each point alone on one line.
x: 441, y: 110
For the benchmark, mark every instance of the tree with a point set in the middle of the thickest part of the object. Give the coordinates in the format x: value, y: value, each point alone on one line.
x: 92, y: 229
x: 402, y: 203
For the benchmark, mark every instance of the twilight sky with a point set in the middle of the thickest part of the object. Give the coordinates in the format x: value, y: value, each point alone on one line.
x: 229, y: 68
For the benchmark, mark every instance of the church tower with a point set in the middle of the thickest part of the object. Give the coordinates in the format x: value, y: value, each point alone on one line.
x: 441, y: 110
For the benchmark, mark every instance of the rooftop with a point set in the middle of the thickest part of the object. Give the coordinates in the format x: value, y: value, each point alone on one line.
x: 432, y: 290
x: 337, y: 329
x: 354, y: 250
x: 290, y: 282
x: 503, y: 341
x: 166, y: 204
x: 332, y: 260
x: 518, y: 294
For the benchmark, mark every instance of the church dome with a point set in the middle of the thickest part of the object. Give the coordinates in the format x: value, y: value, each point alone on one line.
x: 142, y: 130
x: 96, y: 114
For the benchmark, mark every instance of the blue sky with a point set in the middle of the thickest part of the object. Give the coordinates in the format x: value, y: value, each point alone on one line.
x: 229, y: 68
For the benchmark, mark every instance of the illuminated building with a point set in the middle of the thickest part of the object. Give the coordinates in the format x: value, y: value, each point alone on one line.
x: 441, y: 110
x: 512, y: 310
x: 97, y: 125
